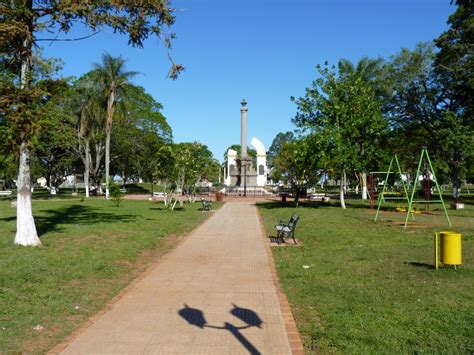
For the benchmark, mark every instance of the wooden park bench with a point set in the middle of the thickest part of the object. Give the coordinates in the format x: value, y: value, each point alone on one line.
x: 5, y: 193
x: 206, y: 205
x: 287, y: 229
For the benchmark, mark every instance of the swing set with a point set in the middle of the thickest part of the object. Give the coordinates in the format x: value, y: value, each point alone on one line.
x: 409, y: 198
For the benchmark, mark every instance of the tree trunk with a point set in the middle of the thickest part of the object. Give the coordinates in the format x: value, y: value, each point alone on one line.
x: 87, y: 166
x: 341, y: 192
x: 357, y: 183
x: 297, y: 197
x: 26, y: 234
x: 456, y: 183
x: 344, y: 178
x: 364, y: 186
x: 107, y: 161
x: 108, y: 131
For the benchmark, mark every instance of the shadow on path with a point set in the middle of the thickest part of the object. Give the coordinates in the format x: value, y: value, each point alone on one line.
x: 196, y: 317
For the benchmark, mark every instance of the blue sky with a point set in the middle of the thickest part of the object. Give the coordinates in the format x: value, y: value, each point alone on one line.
x: 262, y: 50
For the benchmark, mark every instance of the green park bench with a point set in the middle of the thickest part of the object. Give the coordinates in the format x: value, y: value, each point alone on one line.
x: 287, y: 229
x: 206, y: 205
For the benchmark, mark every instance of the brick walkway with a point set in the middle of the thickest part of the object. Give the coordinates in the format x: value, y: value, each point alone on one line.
x: 214, y: 294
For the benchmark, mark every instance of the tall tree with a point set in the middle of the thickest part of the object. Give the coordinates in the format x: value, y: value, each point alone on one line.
x: 424, y: 104
x: 24, y: 106
x: 454, y: 63
x: 298, y: 163
x: 140, y: 133
x: 54, y: 152
x: 88, y: 110
x: 343, y: 112
x: 21, y: 23
x: 192, y: 165
x: 112, y: 80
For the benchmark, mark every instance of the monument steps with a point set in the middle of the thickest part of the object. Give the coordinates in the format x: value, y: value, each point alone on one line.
x: 250, y: 191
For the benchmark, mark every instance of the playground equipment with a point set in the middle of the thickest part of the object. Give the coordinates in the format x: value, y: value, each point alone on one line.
x: 382, y: 197
x: 447, y: 249
x: 424, y: 153
x: 410, y: 210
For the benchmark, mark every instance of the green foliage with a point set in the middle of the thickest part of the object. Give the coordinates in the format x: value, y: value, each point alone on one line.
x: 192, y: 163
x: 277, y: 144
x: 140, y: 131
x: 25, y: 110
x: 116, y: 194
x: 341, y: 111
x: 8, y: 168
x: 455, y: 59
x: 138, y: 20
x: 425, y: 110
x: 53, y: 156
x: 297, y: 164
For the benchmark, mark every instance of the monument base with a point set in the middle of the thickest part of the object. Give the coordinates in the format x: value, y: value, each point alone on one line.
x: 249, y: 191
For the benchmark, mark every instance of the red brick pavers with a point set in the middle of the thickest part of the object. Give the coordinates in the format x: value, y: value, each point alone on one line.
x: 214, y: 294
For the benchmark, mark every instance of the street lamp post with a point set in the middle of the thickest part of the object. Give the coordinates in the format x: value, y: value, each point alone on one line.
x: 245, y: 178
x: 243, y: 143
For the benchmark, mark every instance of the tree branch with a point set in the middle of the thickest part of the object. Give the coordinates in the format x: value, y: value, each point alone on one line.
x: 68, y: 39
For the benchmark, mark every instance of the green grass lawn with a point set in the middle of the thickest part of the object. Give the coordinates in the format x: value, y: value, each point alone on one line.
x: 370, y: 287
x: 91, y: 250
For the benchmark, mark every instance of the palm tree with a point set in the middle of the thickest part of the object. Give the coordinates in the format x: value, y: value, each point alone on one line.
x: 89, y: 110
x: 112, y: 79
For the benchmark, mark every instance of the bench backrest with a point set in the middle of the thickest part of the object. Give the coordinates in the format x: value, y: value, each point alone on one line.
x: 293, y: 220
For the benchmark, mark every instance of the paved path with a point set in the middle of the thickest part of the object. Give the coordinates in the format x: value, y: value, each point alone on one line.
x: 214, y: 294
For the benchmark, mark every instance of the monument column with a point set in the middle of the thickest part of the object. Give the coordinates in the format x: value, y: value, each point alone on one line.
x: 243, y: 129
x: 243, y: 146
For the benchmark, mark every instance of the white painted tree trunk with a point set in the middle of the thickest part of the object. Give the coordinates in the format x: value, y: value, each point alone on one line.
x: 108, y: 131
x: 364, y: 186
x: 107, y: 162
x: 26, y: 234
x: 87, y: 167
x: 341, y: 191
x: 345, y: 180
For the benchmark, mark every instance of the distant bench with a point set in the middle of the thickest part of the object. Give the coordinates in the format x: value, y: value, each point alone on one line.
x: 162, y: 195
x: 5, y: 193
x: 206, y: 205
x: 319, y: 197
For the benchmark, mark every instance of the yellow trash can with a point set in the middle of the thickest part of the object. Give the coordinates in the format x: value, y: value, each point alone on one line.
x: 449, y: 248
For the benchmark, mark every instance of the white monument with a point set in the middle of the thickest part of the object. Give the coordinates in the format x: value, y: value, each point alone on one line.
x: 240, y: 171
x: 261, y: 161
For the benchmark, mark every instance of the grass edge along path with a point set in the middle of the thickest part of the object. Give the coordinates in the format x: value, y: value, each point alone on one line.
x: 91, y: 251
x: 355, y: 286
x: 294, y: 337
